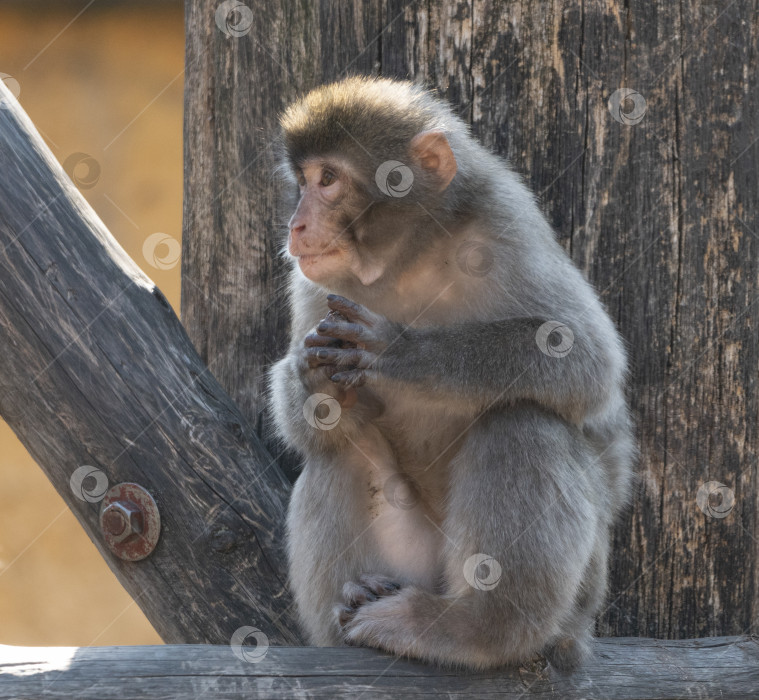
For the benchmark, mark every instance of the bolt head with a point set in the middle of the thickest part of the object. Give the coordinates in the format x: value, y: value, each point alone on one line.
x: 121, y: 520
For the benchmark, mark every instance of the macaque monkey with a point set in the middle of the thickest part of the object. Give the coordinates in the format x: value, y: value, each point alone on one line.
x: 454, y: 387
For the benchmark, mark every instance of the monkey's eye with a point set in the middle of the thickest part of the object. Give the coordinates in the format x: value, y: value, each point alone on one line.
x: 328, y: 177
x: 301, y: 178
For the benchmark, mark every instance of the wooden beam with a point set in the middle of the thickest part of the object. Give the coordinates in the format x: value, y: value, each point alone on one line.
x: 97, y: 370
x: 622, y: 668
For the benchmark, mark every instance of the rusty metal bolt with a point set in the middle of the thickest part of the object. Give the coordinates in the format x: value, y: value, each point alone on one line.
x: 130, y: 521
x: 121, y: 520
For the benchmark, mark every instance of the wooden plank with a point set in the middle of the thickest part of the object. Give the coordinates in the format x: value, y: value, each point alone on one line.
x: 624, y: 669
x: 97, y: 370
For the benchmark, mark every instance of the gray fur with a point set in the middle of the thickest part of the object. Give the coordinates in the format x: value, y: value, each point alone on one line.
x: 508, y: 451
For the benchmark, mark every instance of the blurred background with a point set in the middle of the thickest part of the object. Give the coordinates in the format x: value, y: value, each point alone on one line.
x: 102, y: 81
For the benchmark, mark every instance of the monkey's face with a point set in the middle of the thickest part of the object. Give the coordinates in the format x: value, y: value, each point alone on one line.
x: 323, y: 225
x: 347, y: 227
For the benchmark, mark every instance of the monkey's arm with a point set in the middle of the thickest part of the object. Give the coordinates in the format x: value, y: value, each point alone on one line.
x: 565, y: 369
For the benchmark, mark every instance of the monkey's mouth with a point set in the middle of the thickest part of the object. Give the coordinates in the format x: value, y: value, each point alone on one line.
x: 318, y: 256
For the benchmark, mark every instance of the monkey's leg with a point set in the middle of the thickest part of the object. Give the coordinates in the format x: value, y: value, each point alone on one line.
x: 568, y: 651
x: 330, y: 535
x: 327, y: 543
x: 525, y: 510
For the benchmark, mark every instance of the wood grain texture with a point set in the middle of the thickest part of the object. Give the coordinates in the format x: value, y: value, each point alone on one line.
x: 624, y: 669
x: 233, y: 278
x: 97, y: 370
x: 662, y: 215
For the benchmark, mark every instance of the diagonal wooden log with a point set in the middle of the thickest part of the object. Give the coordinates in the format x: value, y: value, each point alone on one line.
x: 621, y: 668
x: 96, y: 369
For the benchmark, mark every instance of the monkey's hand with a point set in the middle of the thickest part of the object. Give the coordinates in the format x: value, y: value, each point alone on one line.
x: 357, y: 595
x: 317, y: 376
x: 365, y: 336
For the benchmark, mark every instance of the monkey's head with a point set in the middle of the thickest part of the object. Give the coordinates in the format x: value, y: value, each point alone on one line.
x: 373, y: 166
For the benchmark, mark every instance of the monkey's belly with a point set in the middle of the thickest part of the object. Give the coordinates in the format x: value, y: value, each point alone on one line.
x: 405, y: 540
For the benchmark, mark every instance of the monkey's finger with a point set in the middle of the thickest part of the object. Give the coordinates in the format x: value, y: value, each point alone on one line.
x: 341, y: 357
x: 350, y: 309
x: 315, y: 358
x: 344, y: 614
x: 316, y: 340
x: 352, y: 378
x: 335, y: 316
x: 354, y: 594
x: 353, y: 332
x: 379, y: 585
x: 330, y: 367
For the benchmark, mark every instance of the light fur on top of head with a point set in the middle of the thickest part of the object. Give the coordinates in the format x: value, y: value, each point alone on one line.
x: 369, y: 120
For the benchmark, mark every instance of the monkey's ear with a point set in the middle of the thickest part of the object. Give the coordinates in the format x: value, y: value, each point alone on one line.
x: 433, y: 153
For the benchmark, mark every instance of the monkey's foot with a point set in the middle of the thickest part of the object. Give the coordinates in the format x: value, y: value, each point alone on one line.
x: 567, y: 653
x: 368, y: 589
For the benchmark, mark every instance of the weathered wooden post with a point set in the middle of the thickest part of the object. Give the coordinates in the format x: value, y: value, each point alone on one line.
x: 100, y: 382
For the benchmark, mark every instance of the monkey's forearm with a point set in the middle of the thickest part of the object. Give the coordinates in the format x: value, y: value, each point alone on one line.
x: 572, y: 370
x: 522, y: 358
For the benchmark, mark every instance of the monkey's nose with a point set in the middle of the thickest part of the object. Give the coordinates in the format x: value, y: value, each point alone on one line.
x: 299, y: 242
x: 296, y: 235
